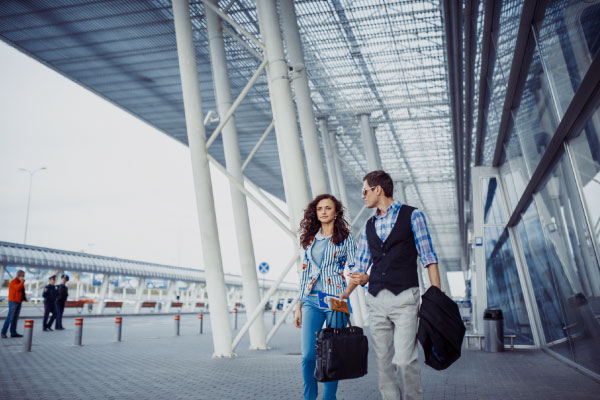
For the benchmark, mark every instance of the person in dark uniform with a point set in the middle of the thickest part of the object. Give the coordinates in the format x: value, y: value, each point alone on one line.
x: 49, y: 295
x: 61, y: 299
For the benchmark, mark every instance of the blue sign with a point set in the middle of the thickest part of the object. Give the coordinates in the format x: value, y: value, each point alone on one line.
x: 263, y: 267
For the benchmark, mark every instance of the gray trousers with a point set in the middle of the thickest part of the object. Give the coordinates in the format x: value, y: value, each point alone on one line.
x: 394, y: 330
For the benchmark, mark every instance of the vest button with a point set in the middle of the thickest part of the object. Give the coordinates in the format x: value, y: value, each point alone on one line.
x: 384, y: 254
x: 383, y: 273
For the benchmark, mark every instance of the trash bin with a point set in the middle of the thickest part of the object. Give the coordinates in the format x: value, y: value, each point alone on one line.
x: 493, y: 330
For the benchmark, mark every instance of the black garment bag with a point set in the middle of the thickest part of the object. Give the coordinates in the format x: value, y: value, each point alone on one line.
x: 341, y: 352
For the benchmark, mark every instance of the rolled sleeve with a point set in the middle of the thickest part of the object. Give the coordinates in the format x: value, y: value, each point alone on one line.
x: 423, y: 239
x: 363, y: 255
x: 350, y: 252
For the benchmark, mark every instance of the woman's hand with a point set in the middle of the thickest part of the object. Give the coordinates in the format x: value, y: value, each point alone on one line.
x: 298, y: 317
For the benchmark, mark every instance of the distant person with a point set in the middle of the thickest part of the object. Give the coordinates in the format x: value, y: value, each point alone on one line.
x: 16, y: 296
x: 61, y: 299
x: 389, y: 245
x: 49, y: 295
x: 329, y: 247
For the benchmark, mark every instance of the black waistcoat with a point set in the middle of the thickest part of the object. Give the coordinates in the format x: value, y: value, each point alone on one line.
x: 395, y: 260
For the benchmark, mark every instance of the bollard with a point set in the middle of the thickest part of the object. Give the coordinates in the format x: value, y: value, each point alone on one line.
x: 118, y: 325
x: 78, y: 331
x: 28, y: 335
x: 201, y: 318
x: 177, y: 325
x: 274, y: 318
x: 235, y: 317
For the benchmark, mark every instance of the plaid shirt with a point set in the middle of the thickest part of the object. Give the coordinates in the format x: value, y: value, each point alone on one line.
x: 383, y: 228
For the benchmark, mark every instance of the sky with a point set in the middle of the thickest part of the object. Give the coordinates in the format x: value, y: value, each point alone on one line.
x: 113, y: 186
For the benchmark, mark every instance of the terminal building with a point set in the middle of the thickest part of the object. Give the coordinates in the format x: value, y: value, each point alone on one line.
x: 485, y: 113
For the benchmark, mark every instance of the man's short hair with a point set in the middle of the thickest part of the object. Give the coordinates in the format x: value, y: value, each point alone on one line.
x: 20, y: 272
x: 383, y: 179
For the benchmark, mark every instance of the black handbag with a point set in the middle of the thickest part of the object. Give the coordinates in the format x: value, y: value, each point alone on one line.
x: 341, y: 352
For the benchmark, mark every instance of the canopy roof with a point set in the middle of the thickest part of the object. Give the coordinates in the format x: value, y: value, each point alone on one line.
x: 386, y: 58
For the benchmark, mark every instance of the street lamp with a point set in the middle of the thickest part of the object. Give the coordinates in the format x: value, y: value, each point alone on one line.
x: 31, y: 173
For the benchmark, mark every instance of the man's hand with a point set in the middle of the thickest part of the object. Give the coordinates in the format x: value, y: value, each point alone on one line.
x: 358, y: 278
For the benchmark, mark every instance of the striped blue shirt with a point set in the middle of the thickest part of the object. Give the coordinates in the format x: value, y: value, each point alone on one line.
x: 331, y: 270
x: 383, y: 228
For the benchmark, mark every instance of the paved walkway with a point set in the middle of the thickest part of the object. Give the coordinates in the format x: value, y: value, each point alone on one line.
x: 152, y: 363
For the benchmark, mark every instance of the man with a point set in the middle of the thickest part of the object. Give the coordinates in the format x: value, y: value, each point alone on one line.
x: 16, y: 295
x: 49, y: 295
x: 61, y: 299
x: 389, y: 245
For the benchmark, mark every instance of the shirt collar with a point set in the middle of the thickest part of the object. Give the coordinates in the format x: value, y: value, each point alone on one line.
x: 396, y: 204
x: 319, y: 236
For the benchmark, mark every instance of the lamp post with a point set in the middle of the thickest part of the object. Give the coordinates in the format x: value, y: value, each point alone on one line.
x: 31, y: 173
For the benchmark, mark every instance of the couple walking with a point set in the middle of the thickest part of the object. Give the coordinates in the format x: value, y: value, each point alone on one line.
x: 386, y: 259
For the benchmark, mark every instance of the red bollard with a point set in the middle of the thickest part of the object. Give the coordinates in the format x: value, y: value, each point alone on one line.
x: 28, y: 335
x: 177, y: 325
x: 235, y: 314
x: 274, y: 312
x: 201, y: 318
x: 118, y: 325
x: 78, y: 331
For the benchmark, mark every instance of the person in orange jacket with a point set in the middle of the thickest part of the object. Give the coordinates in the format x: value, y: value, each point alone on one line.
x: 16, y: 295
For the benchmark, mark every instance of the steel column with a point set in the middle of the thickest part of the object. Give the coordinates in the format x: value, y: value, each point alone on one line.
x: 312, y: 150
x: 234, y: 167
x: 369, y: 143
x: 329, y: 157
x: 102, y: 295
x: 139, y: 294
x: 2, y: 269
x: 215, y: 280
x: 286, y: 128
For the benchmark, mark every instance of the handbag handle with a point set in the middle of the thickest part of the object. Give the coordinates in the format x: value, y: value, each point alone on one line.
x: 331, y: 318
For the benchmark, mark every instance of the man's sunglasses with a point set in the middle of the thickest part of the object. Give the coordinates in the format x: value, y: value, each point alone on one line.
x: 364, y: 191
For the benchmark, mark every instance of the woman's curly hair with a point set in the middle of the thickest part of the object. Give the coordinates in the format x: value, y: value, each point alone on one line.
x: 310, y: 225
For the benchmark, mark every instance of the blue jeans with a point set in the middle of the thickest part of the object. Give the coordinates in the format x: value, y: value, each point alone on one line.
x: 312, y: 321
x: 14, y: 309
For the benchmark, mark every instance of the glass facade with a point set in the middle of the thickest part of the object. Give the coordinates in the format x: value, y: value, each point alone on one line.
x: 502, y: 279
x: 553, y: 251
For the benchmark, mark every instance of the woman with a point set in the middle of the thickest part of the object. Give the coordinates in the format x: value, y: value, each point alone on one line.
x: 329, y: 247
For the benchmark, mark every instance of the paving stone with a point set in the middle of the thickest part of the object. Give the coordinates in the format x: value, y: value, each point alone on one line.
x: 151, y: 362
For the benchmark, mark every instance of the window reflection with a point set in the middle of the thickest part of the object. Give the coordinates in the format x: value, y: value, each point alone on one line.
x: 492, y: 207
x: 542, y: 277
x: 585, y: 152
x: 504, y: 286
x: 569, y: 38
x: 573, y: 262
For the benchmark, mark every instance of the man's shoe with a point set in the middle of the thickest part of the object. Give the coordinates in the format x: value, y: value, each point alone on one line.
x: 16, y: 335
x: 45, y: 330
x: 50, y: 329
x: 60, y: 329
x: 4, y: 336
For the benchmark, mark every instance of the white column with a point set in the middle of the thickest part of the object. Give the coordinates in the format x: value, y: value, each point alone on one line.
x: 286, y: 128
x: 139, y: 293
x: 170, y: 295
x: 329, y: 156
x: 339, y: 172
x: 310, y: 138
x: 202, y: 182
x: 2, y: 269
x: 369, y: 143
x: 400, y: 192
x: 102, y: 295
x: 234, y: 167
x: 335, y: 172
